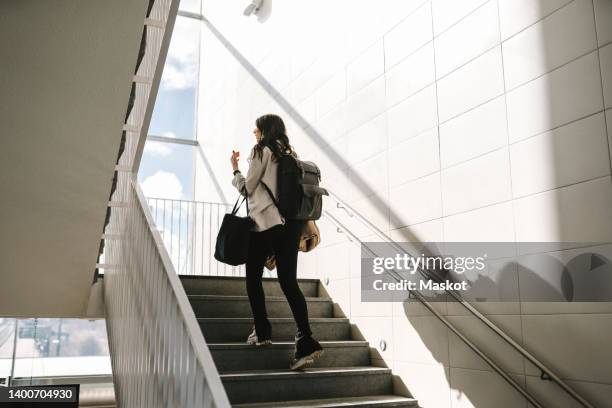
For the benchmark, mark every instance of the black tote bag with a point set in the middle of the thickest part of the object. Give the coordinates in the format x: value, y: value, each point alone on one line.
x: 232, y: 245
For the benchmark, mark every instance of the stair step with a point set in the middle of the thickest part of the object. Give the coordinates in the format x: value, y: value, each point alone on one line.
x: 242, y: 357
x: 369, y: 401
x: 313, y: 383
x: 235, y: 285
x: 239, y: 306
x: 225, y: 329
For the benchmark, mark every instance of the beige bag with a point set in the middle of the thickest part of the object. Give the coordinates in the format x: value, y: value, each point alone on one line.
x: 310, y: 238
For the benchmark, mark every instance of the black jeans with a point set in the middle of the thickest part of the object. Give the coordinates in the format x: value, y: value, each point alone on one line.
x: 283, y: 241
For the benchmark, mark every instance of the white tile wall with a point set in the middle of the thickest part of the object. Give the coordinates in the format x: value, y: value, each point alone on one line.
x: 420, y: 339
x: 369, y: 177
x: 412, y: 116
x: 429, y: 383
x: 377, y: 329
x: 367, y: 140
x: 567, y: 155
x: 478, y: 131
x: 448, y: 12
x: 307, y: 109
x: 429, y: 231
x: 550, y: 43
x: 377, y: 206
x: 365, y: 68
x: 414, y: 158
x: 332, y: 261
x: 516, y: 15
x: 475, y: 388
x: 408, y: 36
x: 476, y: 183
x: 548, y: 392
x: 467, y: 39
x: 411, y: 75
x: 488, y: 224
x: 416, y: 201
x: 331, y: 93
x: 396, y: 11
x: 340, y: 291
x: 381, y: 310
x: 539, y: 271
x: 332, y: 160
x: 554, y: 338
x: 565, y: 215
x: 365, y: 79
x: 332, y: 125
x: 403, y: 307
x: 567, y: 93
x: 461, y: 356
x: 471, y: 85
x: 365, y: 104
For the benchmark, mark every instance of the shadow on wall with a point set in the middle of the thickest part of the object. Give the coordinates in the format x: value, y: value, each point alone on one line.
x: 367, y: 190
x: 556, y: 134
x: 547, y: 284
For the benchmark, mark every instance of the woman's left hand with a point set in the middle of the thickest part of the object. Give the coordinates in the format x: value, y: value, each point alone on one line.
x: 234, y: 159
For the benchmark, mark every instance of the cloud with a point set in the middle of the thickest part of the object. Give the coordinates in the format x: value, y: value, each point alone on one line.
x: 169, y: 134
x: 157, y: 149
x: 181, y: 69
x: 163, y: 185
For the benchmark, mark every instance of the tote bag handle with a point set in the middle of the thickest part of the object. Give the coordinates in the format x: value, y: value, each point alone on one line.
x: 237, y: 206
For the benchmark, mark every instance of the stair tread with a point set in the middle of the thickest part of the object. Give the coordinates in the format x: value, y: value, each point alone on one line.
x: 246, y: 298
x: 306, y: 280
x: 286, y: 344
x: 275, y: 319
x: 308, y: 373
x: 278, y: 319
x: 370, y: 400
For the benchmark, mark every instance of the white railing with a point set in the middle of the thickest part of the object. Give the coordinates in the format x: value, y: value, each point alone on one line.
x: 158, y: 353
x: 189, y: 230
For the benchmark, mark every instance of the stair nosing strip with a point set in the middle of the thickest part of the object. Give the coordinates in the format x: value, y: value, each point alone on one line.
x: 305, y: 280
x: 390, y: 399
x: 246, y: 298
x: 274, y: 319
x: 286, y: 344
x: 265, y: 375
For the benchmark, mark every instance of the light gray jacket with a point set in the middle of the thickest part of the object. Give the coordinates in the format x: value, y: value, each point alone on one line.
x: 261, y: 207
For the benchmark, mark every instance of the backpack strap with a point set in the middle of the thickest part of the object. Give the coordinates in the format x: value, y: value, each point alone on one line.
x: 270, y: 193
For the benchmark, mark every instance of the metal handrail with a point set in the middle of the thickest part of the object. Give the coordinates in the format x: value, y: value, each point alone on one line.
x: 196, y: 337
x: 546, y: 372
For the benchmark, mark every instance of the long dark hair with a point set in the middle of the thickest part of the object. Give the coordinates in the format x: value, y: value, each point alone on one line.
x: 274, y: 135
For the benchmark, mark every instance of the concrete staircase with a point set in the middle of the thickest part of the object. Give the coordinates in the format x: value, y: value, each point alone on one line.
x: 259, y: 376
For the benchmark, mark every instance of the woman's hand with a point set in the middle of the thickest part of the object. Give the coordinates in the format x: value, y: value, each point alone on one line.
x: 234, y: 159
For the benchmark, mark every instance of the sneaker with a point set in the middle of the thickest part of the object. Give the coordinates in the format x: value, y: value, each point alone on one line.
x: 307, y: 351
x: 253, y: 339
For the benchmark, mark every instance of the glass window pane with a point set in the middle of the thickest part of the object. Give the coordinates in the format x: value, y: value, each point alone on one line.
x: 58, y: 347
x: 192, y: 6
x: 166, y: 170
x: 175, y: 106
x: 7, y: 333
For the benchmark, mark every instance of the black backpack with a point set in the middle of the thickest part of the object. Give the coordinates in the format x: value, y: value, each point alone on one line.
x: 299, y: 194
